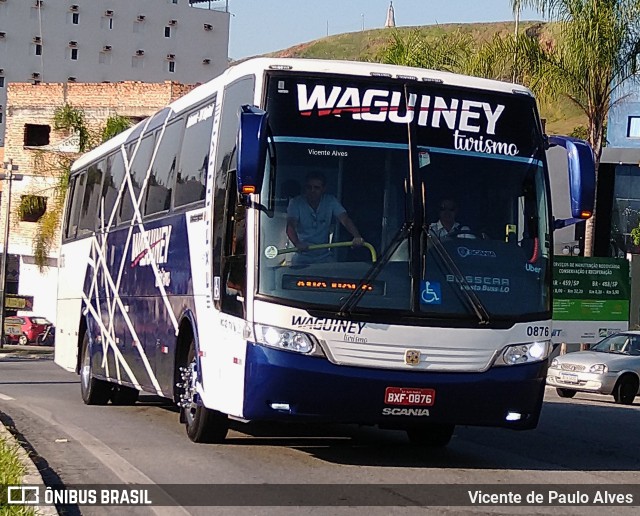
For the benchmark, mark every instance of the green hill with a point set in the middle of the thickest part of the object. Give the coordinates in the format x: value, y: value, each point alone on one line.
x: 561, y: 116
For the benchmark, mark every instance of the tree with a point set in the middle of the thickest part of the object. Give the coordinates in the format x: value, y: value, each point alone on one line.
x: 596, y: 51
x: 58, y: 165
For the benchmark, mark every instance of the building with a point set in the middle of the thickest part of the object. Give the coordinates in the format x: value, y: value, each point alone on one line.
x: 30, y: 136
x: 110, y: 41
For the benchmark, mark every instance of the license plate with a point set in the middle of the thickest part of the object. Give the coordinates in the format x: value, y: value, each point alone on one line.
x: 409, y: 396
x: 568, y: 378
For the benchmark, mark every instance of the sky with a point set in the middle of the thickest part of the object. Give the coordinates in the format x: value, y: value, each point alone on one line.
x: 258, y: 27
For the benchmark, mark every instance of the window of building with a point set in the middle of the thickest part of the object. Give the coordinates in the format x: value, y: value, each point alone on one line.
x: 167, y: 32
x: 1, y: 119
x: 74, y: 54
x: 75, y: 18
x: 32, y: 207
x: 633, y: 127
x: 172, y: 66
x: 1, y: 82
x: 175, y: 1
x: 36, y: 135
x: 38, y: 49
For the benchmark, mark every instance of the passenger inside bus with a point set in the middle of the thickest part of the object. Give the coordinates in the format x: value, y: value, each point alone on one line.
x: 446, y: 226
x: 309, y: 220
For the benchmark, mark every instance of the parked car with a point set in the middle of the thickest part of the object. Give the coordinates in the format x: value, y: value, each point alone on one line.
x: 30, y: 328
x: 612, y: 366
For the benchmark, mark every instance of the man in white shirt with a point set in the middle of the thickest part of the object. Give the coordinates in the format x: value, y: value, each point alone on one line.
x: 446, y: 226
x: 309, y: 220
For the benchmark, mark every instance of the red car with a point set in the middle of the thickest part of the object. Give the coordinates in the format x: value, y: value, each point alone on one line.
x: 30, y: 327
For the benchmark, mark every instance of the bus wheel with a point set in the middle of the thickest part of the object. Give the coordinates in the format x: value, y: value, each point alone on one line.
x: 434, y: 435
x: 121, y: 395
x: 203, y: 425
x: 94, y: 391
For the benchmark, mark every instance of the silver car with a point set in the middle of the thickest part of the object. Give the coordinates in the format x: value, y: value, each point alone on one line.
x: 612, y: 366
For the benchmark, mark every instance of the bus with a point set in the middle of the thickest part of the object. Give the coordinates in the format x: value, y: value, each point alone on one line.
x: 178, y: 274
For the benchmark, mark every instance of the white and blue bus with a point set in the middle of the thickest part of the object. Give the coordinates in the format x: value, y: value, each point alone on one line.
x: 178, y: 278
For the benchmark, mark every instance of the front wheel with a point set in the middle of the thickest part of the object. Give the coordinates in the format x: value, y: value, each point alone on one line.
x: 203, y: 425
x: 625, y: 390
x: 23, y: 340
x: 565, y: 393
x: 94, y: 391
x: 434, y: 435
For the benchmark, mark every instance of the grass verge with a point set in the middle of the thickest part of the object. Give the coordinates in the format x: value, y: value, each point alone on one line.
x: 11, y: 472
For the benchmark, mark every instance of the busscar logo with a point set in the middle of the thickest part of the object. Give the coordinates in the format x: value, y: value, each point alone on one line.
x: 158, y: 249
x: 472, y: 122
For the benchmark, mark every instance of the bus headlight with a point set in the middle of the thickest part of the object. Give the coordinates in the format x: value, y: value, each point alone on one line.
x: 286, y: 339
x: 524, y: 353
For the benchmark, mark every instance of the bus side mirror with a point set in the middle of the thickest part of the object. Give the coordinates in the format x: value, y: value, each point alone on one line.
x: 252, y: 149
x: 582, y: 178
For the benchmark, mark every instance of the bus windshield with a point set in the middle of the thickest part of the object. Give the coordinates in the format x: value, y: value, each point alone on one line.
x: 446, y: 186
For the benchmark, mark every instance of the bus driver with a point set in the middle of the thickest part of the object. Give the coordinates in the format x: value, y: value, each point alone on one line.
x: 309, y: 219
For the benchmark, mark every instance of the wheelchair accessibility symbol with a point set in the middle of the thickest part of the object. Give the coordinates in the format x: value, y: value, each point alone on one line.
x: 430, y: 293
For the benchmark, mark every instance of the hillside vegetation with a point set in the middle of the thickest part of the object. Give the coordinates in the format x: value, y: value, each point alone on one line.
x: 560, y: 115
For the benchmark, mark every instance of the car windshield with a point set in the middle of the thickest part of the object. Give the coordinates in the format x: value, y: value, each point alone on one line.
x: 465, y: 233
x: 623, y: 343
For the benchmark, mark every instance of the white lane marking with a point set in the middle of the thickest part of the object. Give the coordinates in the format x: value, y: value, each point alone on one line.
x: 5, y: 397
x: 126, y: 471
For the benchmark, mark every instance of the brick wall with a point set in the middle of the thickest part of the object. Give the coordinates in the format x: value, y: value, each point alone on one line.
x: 35, y: 104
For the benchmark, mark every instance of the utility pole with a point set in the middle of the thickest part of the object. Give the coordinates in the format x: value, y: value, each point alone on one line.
x: 10, y: 174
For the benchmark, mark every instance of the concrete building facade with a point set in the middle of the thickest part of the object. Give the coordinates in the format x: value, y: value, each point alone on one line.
x: 109, y: 41
x: 31, y: 107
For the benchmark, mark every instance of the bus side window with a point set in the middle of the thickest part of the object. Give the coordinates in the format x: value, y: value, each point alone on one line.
x: 139, y: 167
x: 235, y: 253
x: 76, y: 204
x: 194, y: 157
x: 91, y: 199
x: 163, y: 171
x: 111, y: 185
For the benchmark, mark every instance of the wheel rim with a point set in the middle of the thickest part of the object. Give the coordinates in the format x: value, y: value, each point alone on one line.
x: 189, y: 400
x: 22, y: 340
x: 85, y: 371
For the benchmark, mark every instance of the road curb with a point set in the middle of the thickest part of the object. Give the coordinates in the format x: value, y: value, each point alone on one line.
x: 31, y: 474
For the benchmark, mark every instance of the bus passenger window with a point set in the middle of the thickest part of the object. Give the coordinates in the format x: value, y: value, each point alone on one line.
x: 194, y: 157
x: 77, y: 189
x: 163, y: 171
x: 111, y: 184
x: 139, y: 166
x: 91, y: 200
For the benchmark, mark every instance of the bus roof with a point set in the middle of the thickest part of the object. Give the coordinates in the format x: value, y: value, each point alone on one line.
x: 260, y: 64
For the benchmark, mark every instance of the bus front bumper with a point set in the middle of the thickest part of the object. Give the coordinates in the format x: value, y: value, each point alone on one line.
x: 281, y: 385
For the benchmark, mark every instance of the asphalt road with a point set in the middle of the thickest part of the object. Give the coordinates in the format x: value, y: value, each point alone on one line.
x: 585, y: 440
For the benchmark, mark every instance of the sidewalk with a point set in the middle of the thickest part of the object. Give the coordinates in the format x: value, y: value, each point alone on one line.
x: 28, y: 351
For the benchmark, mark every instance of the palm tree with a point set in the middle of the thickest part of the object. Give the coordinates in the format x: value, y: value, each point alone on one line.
x: 596, y: 51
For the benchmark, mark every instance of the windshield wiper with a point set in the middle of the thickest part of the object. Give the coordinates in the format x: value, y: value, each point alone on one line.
x: 471, y: 297
x: 355, y: 296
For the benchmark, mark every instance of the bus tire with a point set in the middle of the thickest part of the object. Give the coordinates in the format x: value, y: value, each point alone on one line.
x: 203, y: 425
x: 433, y: 435
x: 94, y: 391
x: 121, y: 395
